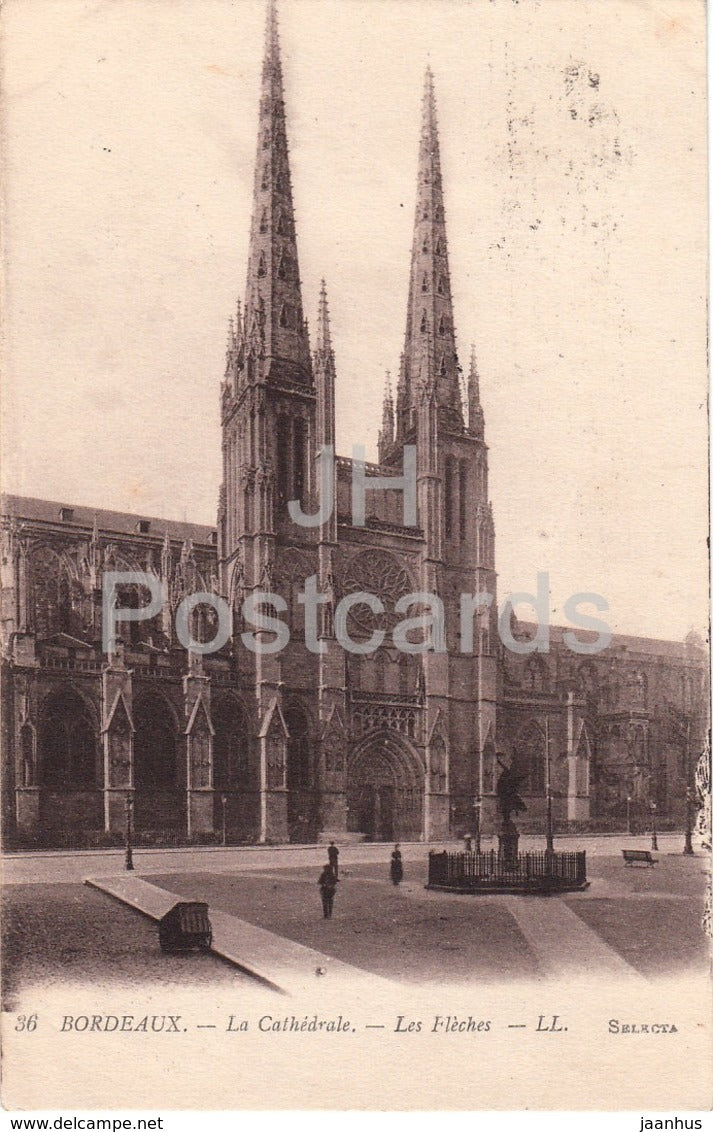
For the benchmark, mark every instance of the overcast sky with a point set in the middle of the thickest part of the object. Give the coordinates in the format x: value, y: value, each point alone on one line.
x: 572, y: 141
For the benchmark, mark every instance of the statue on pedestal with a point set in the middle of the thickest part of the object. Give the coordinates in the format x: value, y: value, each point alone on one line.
x: 509, y: 802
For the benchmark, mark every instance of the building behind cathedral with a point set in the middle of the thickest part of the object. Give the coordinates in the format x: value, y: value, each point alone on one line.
x: 294, y: 744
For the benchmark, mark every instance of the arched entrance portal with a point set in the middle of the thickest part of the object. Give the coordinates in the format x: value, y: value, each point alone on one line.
x: 68, y: 744
x: 159, y: 800
x: 235, y: 800
x: 385, y: 790
x: 69, y: 767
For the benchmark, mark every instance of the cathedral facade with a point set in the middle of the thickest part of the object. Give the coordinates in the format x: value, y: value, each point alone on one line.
x: 399, y: 739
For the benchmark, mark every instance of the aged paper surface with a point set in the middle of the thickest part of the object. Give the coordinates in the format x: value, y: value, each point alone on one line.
x: 555, y: 164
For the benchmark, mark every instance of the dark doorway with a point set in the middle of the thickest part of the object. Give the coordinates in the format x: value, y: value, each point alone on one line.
x: 384, y: 794
x: 68, y: 744
x: 159, y: 802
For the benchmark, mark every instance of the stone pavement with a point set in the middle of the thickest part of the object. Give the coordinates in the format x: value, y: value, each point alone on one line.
x: 257, y: 895
x: 62, y: 866
x: 279, y: 963
x: 563, y: 944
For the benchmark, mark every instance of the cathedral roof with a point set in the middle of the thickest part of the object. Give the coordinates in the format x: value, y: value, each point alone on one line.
x: 74, y: 517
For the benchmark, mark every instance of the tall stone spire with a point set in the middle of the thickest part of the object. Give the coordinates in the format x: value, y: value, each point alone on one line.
x: 430, y: 310
x: 273, y: 323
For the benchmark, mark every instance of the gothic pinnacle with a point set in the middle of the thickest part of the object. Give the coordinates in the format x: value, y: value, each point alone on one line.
x: 387, y: 415
x: 324, y: 334
x: 476, y: 422
x: 325, y: 372
x: 386, y: 434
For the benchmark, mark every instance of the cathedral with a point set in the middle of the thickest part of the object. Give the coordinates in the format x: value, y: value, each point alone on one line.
x: 301, y: 743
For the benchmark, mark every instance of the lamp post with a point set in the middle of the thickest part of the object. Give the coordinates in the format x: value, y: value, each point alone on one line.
x: 688, y: 844
x: 224, y: 802
x: 628, y: 813
x: 654, y: 840
x: 129, y: 860
x: 476, y: 824
x: 548, y: 789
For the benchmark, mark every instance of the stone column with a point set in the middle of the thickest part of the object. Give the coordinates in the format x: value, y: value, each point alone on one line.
x: 117, y: 740
x: 199, y: 749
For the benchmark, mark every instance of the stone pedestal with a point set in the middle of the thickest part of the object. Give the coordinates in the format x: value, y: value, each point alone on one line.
x: 275, y: 827
x: 27, y: 809
x: 115, y: 808
x: 200, y: 812
x: 438, y: 824
x: 508, y: 841
x: 333, y: 811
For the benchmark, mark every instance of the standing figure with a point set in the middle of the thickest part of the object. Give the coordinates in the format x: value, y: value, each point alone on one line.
x: 328, y: 885
x: 507, y: 790
x: 397, y: 868
x: 333, y: 854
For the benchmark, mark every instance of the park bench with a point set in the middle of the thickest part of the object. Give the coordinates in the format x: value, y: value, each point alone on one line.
x: 638, y: 856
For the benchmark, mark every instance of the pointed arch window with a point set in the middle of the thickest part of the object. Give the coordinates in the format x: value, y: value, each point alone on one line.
x: 424, y: 246
x: 439, y: 247
x: 462, y: 497
x: 282, y: 225
x: 424, y: 323
x: 424, y: 283
x: 298, y: 749
x: 380, y: 670
x: 536, y: 676
x: 266, y: 138
x: 442, y: 285
x: 231, y: 746
x: 283, y: 267
x: 283, y: 459
x: 284, y: 321
x: 529, y: 758
x: 442, y: 325
x: 279, y: 182
x: 439, y: 212
x: 67, y: 743
x: 450, y: 496
x: 263, y: 221
x: 442, y: 368
x: 299, y: 459
x: 261, y: 268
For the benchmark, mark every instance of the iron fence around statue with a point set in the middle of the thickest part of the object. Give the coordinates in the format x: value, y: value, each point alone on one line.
x: 538, y: 871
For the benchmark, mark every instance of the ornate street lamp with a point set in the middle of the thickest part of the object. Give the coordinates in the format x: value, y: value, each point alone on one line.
x: 129, y: 860
x: 628, y: 813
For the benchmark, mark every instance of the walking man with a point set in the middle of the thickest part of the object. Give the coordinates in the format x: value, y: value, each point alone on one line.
x: 333, y: 854
x: 328, y: 886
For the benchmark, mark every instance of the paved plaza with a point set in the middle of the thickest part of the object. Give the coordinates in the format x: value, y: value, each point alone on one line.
x: 638, y: 923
